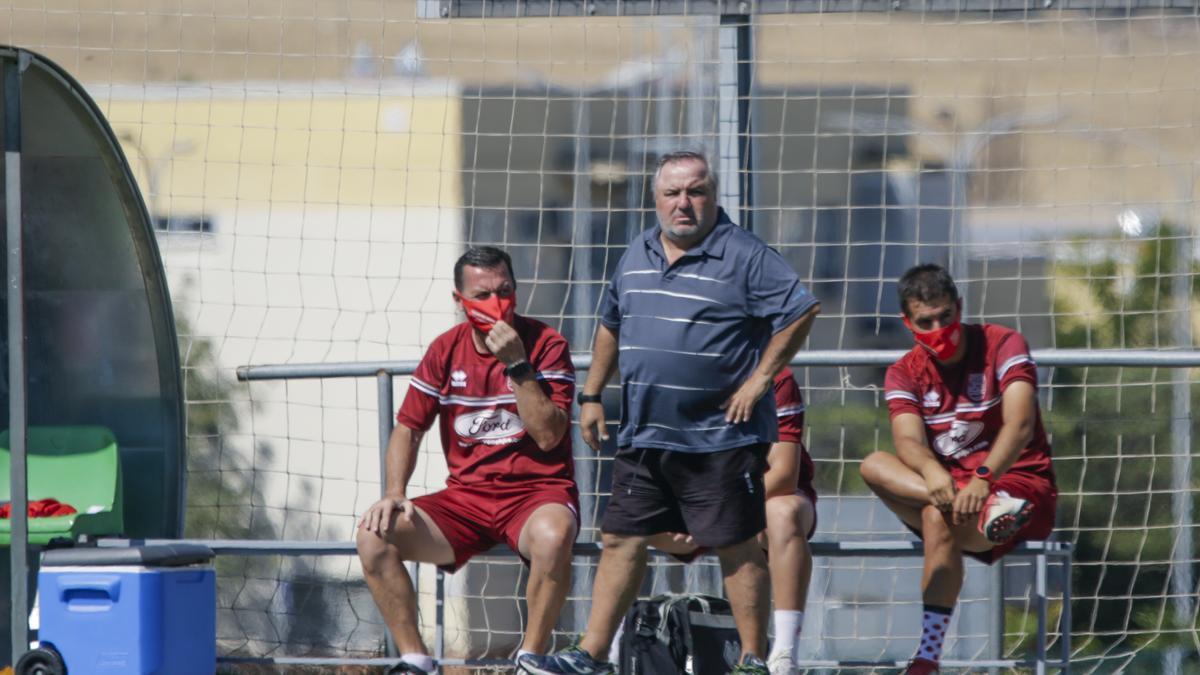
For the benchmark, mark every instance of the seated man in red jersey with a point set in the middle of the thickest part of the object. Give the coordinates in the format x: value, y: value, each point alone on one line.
x: 791, y: 520
x: 972, y: 472
x: 501, y: 387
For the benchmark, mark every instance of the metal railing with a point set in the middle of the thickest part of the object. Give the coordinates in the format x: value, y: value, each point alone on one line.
x: 1043, y: 554
x: 384, y: 373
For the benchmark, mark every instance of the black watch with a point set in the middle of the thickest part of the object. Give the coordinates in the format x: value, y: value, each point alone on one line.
x: 518, y: 370
x: 589, y: 398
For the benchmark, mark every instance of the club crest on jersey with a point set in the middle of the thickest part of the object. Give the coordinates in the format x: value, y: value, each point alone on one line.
x: 957, y: 441
x: 932, y: 399
x: 975, y: 386
x: 458, y: 378
x: 493, y: 427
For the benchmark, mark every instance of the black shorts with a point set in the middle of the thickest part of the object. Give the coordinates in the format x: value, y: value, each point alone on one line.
x: 716, y: 496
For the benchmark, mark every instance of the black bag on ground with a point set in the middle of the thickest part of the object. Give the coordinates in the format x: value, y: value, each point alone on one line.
x: 692, y: 634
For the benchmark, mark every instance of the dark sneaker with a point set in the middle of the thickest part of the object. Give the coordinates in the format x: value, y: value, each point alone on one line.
x: 919, y: 666
x: 750, y: 665
x: 571, y: 661
x: 403, y: 667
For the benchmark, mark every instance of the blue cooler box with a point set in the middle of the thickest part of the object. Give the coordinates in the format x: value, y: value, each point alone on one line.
x: 137, y: 610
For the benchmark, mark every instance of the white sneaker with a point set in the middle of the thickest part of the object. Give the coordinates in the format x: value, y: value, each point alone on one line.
x: 781, y: 664
x: 1003, y: 516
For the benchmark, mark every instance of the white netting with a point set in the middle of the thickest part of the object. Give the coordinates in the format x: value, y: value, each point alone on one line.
x: 316, y: 167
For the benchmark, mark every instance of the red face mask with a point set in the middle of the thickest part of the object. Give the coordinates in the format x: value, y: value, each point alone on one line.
x: 483, y: 314
x: 942, y: 342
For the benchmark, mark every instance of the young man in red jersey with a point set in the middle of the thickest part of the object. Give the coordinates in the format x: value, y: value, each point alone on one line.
x: 972, y: 472
x: 501, y: 386
x: 791, y: 521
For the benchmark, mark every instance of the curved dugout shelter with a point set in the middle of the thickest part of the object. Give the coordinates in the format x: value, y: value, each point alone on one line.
x: 100, y: 340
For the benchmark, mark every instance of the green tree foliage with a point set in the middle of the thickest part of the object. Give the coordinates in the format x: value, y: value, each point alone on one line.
x: 1112, y: 439
x: 221, y: 491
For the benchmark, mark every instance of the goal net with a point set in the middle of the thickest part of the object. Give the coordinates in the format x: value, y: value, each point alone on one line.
x: 315, y: 168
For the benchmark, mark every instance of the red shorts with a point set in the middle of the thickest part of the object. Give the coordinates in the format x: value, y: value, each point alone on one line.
x: 475, y: 518
x: 806, y: 489
x: 1038, y: 489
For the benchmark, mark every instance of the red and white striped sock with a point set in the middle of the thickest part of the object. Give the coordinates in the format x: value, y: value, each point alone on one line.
x: 935, y: 621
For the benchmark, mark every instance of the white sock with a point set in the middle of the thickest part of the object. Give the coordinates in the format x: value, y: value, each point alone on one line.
x: 422, y: 661
x: 614, y: 649
x: 523, y: 652
x: 935, y: 621
x: 787, y: 632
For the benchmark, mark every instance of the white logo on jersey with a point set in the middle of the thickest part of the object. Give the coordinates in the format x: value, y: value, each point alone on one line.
x: 494, y: 427
x: 458, y: 378
x: 932, y: 399
x: 957, y: 441
x: 975, y: 386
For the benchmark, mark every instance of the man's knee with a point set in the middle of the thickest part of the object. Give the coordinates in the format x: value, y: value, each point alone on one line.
x: 784, y: 514
x: 934, y: 526
x: 791, y: 516
x: 551, y: 535
x: 872, y: 468
x: 373, y: 551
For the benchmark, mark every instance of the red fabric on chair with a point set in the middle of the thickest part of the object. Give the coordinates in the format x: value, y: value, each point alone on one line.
x: 42, y: 508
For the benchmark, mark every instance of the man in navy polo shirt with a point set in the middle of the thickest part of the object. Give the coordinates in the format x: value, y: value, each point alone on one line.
x: 703, y: 315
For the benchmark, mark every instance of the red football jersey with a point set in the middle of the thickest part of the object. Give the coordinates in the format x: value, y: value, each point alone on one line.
x: 482, y: 434
x: 961, y: 406
x: 789, y: 408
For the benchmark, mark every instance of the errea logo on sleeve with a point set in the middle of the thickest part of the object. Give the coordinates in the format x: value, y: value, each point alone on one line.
x: 493, y: 427
x: 932, y: 399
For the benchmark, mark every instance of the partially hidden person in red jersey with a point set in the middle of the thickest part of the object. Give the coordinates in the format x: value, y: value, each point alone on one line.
x: 501, y: 387
x: 791, y: 522
x: 972, y: 472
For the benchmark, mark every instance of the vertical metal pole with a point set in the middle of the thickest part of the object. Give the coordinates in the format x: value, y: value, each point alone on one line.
x: 959, y: 170
x: 733, y: 51
x: 439, y: 638
x: 583, y: 308
x: 19, y: 551
x: 702, y: 130
x: 996, y: 615
x: 1183, y: 554
x: 1064, y: 621
x: 1039, y: 590
x: 735, y: 54
x: 386, y: 403
x: 383, y: 387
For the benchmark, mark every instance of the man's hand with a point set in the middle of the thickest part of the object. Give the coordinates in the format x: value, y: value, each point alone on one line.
x: 969, y: 501
x: 379, y: 518
x: 683, y: 539
x: 739, y: 407
x: 592, y: 426
x: 940, y: 485
x: 505, y: 344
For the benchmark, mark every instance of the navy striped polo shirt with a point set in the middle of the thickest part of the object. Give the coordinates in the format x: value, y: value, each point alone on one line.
x: 690, y: 334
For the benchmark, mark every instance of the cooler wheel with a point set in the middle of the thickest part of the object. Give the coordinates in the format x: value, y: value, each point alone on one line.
x: 41, y: 661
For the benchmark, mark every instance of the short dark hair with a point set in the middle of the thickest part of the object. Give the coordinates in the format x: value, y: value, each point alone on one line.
x: 687, y: 156
x: 486, y: 257
x: 926, y: 283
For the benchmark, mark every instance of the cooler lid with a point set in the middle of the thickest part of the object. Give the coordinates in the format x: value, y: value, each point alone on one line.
x: 157, y: 555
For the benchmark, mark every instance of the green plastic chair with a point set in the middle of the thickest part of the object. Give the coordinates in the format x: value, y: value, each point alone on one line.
x: 77, y: 465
